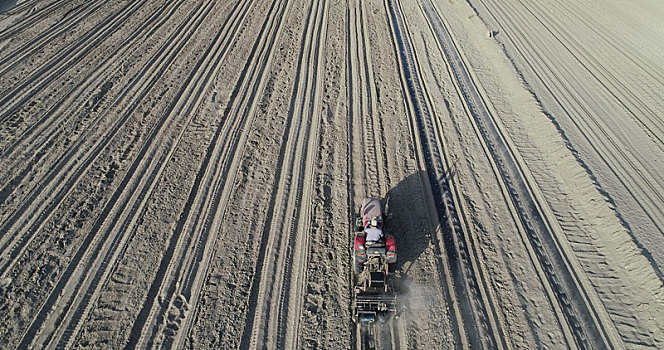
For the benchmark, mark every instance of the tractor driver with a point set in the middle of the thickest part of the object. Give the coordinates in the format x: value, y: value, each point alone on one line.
x: 373, y: 231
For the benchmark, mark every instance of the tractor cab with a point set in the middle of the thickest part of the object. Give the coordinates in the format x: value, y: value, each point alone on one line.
x: 371, y: 240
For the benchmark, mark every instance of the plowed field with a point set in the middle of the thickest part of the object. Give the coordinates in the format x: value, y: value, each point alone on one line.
x: 183, y: 174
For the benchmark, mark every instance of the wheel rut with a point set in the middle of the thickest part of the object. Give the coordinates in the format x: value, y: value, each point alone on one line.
x: 184, y: 267
x: 475, y: 314
x: 74, y: 287
x: 585, y: 319
x: 276, y: 296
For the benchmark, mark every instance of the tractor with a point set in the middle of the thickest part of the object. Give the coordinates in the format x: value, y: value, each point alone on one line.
x: 374, y: 255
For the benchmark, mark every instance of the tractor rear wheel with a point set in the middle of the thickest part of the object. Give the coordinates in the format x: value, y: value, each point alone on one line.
x: 357, y: 266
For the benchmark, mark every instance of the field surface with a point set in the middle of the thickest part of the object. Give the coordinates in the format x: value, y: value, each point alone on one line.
x: 183, y: 174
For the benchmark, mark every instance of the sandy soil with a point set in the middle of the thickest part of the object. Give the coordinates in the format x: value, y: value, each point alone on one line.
x: 182, y: 174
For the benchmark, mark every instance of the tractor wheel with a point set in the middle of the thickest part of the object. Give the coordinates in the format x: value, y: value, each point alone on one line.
x: 357, y: 266
x: 392, y: 267
x: 358, y: 224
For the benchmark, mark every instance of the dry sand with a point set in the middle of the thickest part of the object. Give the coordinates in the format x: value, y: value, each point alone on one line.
x: 182, y: 174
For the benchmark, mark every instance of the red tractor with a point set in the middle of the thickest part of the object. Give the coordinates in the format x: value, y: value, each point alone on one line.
x: 374, y: 252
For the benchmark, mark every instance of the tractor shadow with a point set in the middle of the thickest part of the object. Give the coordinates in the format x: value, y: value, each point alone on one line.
x: 407, y: 220
x: 413, y: 220
x: 410, y: 220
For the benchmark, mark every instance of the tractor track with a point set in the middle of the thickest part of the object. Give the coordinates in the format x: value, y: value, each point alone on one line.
x: 364, y: 106
x: 61, y: 62
x: 625, y: 47
x: 185, y: 107
x: 598, y: 264
x: 645, y: 188
x: 649, y: 190
x: 27, y: 150
x: 476, y: 316
x: 363, y: 111
x: 33, y: 17
x: 192, y: 252
x: 585, y: 317
x: 71, y: 166
x: 63, y: 182
x: 643, y: 115
x: 277, y: 294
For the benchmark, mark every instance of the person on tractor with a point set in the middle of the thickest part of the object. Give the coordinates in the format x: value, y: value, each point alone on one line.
x: 373, y: 231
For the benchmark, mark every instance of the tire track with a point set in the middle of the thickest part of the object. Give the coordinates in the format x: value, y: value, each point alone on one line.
x: 642, y: 187
x: 29, y: 147
x: 189, y: 100
x: 63, y: 176
x: 181, y: 276
x: 274, y: 317
x: 362, y: 95
x: 84, y: 270
x: 66, y: 58
x: 364, y: 104
x: 584, y: 314
x: 476, y: 317
x: 32, y: 18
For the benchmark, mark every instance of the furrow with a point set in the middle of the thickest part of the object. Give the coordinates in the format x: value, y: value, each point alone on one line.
x: 191, y: 280
x: 25, y: 152
x: 351, y: 190
x: 207, y: 201
x: 204, y: 221
x: 76, y: 287
x: 61, y: 62
x: 324, y: 315
x: 584, y: 314
x: 24, y: 6
x: 189, y: 99
x: 31, y: 18
x: 293, y: 295
x: 278, y: 292
x: 66, y: 173
x: 75, y: 17
x: 476, y: 317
